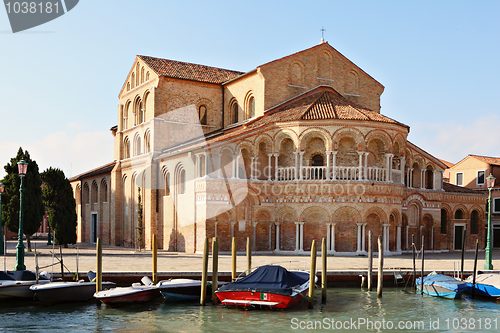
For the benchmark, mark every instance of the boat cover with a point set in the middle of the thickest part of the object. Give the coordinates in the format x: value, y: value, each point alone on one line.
x: 443, y: 281
x: 268, y: 279
x: 19, y: 276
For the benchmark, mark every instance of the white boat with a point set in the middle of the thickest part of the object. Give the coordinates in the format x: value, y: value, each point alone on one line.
x: 182, y: 290
x: 64, y: 292
x: 487, y: 285
x: 16, y: 284
x: 137, y: 292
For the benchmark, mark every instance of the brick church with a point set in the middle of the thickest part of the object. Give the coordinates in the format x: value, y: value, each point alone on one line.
x: 294, y: 150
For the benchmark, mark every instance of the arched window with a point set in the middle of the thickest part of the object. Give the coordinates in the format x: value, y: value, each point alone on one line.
x: 459, y: 214
x: 137, y: 145
x: 137, y: 71
x: 103, y: 196
x: 94, y: 192
x: 252, y: 107
x: 125, y: 116
x: 147, y: 143
x: 133, y: 80
x: 182, y: 180
x: 167, y: 184
x: 202, y: 113
x: 147, y: 76
x: 128, y: 86
x: 474, y: 221
x: 142, y: 75
x: 235, y: 113
x: 444, y: 221
x: 317, y: 160
x: 126, y: 148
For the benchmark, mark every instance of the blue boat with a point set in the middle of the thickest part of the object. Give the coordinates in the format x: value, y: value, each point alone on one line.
x: 442, y: 286
x: 487, y: 285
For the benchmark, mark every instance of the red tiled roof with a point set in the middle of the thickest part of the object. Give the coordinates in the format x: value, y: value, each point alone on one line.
x: 188, y: 71
x: 487, y: 159
x: 321, y: 103
x: 448, y: 164
x: 447, y: 187
x: 97, y: 171
x: 325, y: 103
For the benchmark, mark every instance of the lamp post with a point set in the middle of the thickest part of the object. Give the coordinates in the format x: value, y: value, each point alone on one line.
x: 490, y: 182
x: 2, y: 188
x: 22, y: 167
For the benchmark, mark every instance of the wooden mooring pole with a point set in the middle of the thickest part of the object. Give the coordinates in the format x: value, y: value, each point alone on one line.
x: 380, y: 281
x: 98, y: 285
x: 422, y: 269
x: 474, y: 273
x: 155, y: 258
x: 61, y: 261
x: 463, y: 256
x: 312, y: 275
x: 215, y: 269
x: 233, y: 259
x: 249, y: 256
x: 323, y: 271
x: 204, y: 273
x: 370, y: 259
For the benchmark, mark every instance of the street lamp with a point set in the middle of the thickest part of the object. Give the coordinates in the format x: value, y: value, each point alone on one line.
x: 22, y: 167
x: 2, y: 188
x: 490, y: 182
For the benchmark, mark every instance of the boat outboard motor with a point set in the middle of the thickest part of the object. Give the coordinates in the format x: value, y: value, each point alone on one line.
x: 147, y: 281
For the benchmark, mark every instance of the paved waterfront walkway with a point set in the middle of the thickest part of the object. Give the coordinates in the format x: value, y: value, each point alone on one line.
x: 119, y: 259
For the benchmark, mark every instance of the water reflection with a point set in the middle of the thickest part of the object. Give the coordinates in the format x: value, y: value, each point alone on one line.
x: 343, y: 306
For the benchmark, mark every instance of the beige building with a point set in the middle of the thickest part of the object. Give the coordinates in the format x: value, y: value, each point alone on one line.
x: 471, y: 172
x: 294, y: 150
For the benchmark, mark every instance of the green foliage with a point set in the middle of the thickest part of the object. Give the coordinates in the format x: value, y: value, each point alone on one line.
x: 57, y: 196
x: 139, y: 220
x: 32, y: 202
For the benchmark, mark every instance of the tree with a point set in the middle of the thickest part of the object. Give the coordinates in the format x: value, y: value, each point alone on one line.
x: 32, y: 202
x: 57, y: 195
x: 139, y: 220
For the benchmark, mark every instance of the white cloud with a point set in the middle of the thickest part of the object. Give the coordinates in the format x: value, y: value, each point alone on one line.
x: 74, y: 153
x: 452, y: 141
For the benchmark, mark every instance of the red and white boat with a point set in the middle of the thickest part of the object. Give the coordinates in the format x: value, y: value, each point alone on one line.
x: 269, y: 286
x: 137, y: 292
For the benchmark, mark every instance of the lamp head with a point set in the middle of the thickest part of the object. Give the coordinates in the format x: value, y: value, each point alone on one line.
x: 490, y: 181
x: 22, y: 168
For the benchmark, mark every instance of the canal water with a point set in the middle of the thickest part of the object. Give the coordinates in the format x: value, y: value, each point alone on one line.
x: 347, y: 310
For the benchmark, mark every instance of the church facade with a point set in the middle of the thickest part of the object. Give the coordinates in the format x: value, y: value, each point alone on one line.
x: 294, y: 150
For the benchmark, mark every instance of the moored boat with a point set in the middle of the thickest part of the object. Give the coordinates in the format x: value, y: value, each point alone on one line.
x: 182, y: 290
x: 487, y: 285
x: 64, y: 292
x: 136, y: 293
x: 16, y: 284
x: 441, y: 286
x: 269, y: 286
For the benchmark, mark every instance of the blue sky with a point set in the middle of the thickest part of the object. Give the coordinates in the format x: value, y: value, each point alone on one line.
x: 438, y: 61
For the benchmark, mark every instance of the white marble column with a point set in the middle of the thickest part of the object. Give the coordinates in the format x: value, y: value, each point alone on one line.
x: 402, y: 168
x: 297, y: 236
x: 206, y: 165
x: 386, y: 236
x: 270, y: 232
x: 233, y: 166
x: 215, y: 229
x: 388, y: 167
x: 269, y: 167
x: 252, y: 167
x: 407, y: 237
x: 217, y: 158
x: 198, y: 165
x: 327, y: 175
x: 398, y: 238
x: 332, y: 239
x: 301, y: 244
x: 334, y: 156
x: 296, y: 153
x: 237, y: 166
x: 277, y: 236
x: 301, y: 153
x: 366, y: 166
x: 422, y: 178
x: 360, y: 167
x: 276, y: 155
x: 360, y: 226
